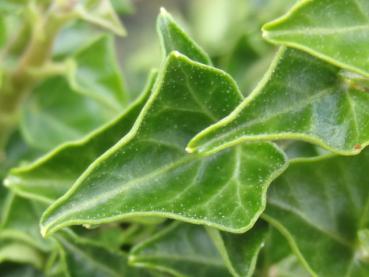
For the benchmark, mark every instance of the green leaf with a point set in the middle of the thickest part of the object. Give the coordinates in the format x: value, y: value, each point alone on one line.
x: 48, y: 178
x: 19, y: 252
x: 55, y: 113
x: 277, y: 259
x: 149, y: 173
x: 181, y: 250
x: 300, y: 98
x: 321, y: 205
x: 363, y: 237
x: 97, y: 73
x: 70, y: 39
x: 240, y: 252
x: 173, y: 38
x: 67, y: 111
x: 334, y: 30
x: 123, y: 7
x: 188, y: 250
x: 83, y: 257
x: 21, y: 222
x: 16, y: 270
x: 101, y: 13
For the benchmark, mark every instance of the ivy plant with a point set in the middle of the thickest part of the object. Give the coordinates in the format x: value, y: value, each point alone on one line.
x: 244, y: 154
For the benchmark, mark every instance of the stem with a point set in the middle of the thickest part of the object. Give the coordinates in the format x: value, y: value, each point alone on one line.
x: 20, y: 82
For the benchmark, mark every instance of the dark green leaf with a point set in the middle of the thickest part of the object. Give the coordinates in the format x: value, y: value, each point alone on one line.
x: 83, y: 257
x: 334, y: 30
x: 149, y: 173
x: 173, y: 38
x: 300, y: 98
x: 49, y: 178
x: 321, y: 205
x: 181, y: 250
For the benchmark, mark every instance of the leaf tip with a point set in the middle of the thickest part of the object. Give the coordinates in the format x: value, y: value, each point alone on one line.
x: 163, y: 11
x: 44, y: 231
x: 190, y: 150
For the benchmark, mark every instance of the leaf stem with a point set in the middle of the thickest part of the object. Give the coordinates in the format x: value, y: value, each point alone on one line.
x: 37, y: 53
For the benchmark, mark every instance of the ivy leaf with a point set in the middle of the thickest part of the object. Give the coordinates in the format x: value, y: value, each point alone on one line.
x: 320, y: 205
x: 301, y: 98
x: 48, y: 178
x: 173, y: 38
x: 240, y: 252
x: 101, y: 13
x: 83, y: 257
x: 55, y: 113
x: 20, y: 222
x: 68, y: 110
x: 149, y: 173
x: 19, y: 252
x: 276, y: 258
x: 181, y: 250
x: 188, y: 250
x: 97, y: 73
x: 315, y: 27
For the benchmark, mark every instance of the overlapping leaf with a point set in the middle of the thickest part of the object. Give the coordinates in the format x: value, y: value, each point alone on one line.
x: 60, y: 110
x: 334, y: 30
x: 301, y: 97
x: 321, y: 205
x: 82, y: 257
x: 101, y: 13
x: 240, y: 252
x: 149, y: 173
x: 188, y: 250
x: 20, y: 222
x: 173, y: 38
x: 49, y: 177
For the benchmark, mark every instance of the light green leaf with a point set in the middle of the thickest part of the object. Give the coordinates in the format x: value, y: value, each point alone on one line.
x: 363, y: 237
x: 149, y: 173
x: 54, y: 113
x: 101, y: 13
x: 173, y: 38
x: 123, y: 7
x: 83, y: 257
x: 181, y: 250
x: 70, y: 39
x: 12, y: 6
x: 19, y: 252
x: 334, y: 30
x: 299, y: 98
x: 58, y: 111
x: 320, y: 205
x: 48, y: 178
x: 97, y: 73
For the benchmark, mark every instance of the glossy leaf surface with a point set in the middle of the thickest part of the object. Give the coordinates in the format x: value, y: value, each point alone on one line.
x: 173, y: 38
x: 321, y: 205
x: 149, y: 173
x: 83, y: 257
x: 301, y: 98
x: 189, y: 250
x: 48, y: 178
x: 334, y: 30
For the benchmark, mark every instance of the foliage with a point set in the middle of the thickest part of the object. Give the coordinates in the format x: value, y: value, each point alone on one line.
x: 206, y: 172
